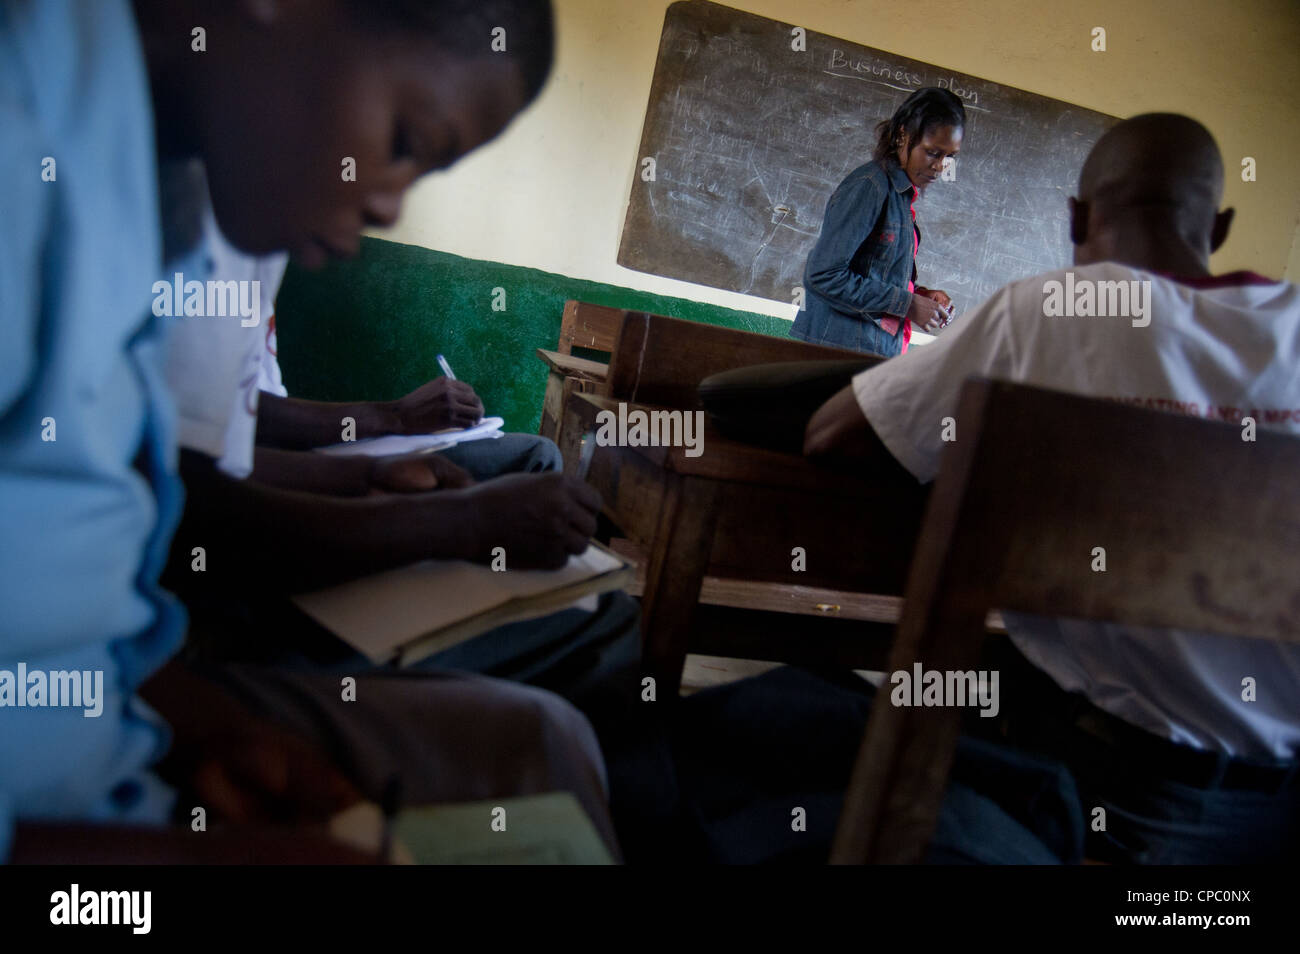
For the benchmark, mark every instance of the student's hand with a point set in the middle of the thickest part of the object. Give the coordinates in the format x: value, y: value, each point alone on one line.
x: 416, y: 473
x: 238, y: 766
x: 265, y: 774
x: 438, y: 405
x: 926, y: 313
x: 539, y: 519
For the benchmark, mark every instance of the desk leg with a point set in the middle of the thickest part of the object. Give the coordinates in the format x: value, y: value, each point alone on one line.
x: 552, y: 405
x: 567, y: 432
x: 679, y: 557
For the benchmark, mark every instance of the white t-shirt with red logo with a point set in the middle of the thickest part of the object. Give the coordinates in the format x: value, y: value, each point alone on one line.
x: 1221, y: 348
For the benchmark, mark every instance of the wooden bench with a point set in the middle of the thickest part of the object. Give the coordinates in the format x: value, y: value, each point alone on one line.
x: 1201, y: 531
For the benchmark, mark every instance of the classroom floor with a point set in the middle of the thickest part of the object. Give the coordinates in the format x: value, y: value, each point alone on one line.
x: 705, y: 672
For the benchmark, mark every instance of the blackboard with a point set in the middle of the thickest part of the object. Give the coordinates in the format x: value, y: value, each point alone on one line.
x: 750, y: 137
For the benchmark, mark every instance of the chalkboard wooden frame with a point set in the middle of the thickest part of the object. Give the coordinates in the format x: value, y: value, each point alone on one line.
x: 750, y: 135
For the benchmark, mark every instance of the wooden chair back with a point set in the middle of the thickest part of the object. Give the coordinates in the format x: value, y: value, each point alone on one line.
x: 585, y: 325
x: 1199, y: 529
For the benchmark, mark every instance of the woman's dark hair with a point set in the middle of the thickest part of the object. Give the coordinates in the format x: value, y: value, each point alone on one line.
x: 465, y: 27
x: 926, y: 109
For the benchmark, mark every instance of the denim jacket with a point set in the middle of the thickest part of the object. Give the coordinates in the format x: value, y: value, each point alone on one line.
x: 859, y: 269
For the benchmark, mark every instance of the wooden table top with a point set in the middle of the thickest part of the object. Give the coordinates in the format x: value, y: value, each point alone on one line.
x: 724, y: 459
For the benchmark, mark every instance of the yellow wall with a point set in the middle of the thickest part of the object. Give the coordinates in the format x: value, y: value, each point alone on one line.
x: 552, y: 192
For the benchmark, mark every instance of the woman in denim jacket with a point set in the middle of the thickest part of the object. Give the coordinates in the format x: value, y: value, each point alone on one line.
x: 860, y: 280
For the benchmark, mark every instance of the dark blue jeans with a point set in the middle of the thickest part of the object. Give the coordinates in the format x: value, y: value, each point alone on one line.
x: 1149, y: 818
x: 719, y: 784
x: 720, y: 781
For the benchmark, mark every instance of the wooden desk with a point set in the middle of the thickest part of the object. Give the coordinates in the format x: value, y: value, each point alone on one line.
x: 738, y: 512
x: 565, y: 375
x: 582, y: 325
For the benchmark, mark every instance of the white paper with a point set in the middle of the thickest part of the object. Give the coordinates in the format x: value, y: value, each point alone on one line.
x: 390, y: 444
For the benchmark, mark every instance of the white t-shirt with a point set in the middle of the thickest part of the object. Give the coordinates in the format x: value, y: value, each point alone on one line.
x: 1221, y: 352
x: 268, y: 368
x: 213, y: 362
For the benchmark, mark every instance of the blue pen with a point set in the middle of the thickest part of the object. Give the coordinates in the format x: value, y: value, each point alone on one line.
x: 446, y: 368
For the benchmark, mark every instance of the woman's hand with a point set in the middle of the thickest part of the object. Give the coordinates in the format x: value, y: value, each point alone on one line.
x: 945, y: 309
x: 941, y: 297
x: 926, y: 313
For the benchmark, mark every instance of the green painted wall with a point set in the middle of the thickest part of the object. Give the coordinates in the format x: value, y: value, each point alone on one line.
x: 370, y: 328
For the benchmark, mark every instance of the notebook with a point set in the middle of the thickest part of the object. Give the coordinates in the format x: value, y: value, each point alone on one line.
x: 550, y: 829
x: 545, y: 829
x: 409, y: 613
x: 489, y: 427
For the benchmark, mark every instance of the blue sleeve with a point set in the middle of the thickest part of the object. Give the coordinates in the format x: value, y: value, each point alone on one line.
x: 22, y: 236
x: 6, y: 829
x: 850, y: 216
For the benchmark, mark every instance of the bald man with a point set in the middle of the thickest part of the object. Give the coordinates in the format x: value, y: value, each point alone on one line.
x: 1151, y: 723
